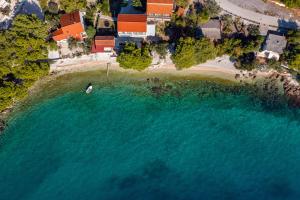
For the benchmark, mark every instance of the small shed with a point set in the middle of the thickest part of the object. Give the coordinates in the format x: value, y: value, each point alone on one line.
x: 103, y: 44
x: 274, y: 46
x: 212, y: 29
x: 275, y: 42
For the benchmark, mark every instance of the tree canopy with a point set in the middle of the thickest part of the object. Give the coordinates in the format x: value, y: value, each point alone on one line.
x: 204, y: 50
x: 247, y: 61
x: 133, y: 57
x: 185, y: 53
x: 104, y: 7
x: 161, y: 49
x: 292, y: 52
x: 212, y: 8
x: 182, y: 3
x: 190, y: 52
x: 253, y: 30
x: 22, y: 48
x: 137, y: 3
x: 71, y: 5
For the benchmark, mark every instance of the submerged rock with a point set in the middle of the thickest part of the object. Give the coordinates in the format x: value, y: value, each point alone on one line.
x: 2, y: 125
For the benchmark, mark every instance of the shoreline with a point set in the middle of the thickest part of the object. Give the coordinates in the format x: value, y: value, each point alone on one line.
x: 203, y: 70
x: 210, y: 71
x: 221, y: 73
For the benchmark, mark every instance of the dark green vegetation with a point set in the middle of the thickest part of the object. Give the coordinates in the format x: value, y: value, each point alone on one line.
x: 292, y: 53
x: 291, y: 3
x: 197, y: 14
x: 71, y: 5
x: 137, y: 3
x: 132, y: 57
x: 160, y: 49
x: 104, y: 7
x: 181, y: 3
x: 190, y: 52
x: 239, y: 41
x: 23, y: 49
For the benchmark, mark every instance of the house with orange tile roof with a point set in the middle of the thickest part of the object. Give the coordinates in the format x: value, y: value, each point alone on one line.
x: 160, y: 10
x: 132, y: 25
x: 103, y: 44
x: 72, y: 25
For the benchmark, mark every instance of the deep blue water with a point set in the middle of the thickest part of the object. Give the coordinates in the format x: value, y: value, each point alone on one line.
x: 124, y: 142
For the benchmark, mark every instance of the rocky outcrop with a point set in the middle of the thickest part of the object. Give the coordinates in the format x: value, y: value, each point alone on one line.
x: 291, y: 87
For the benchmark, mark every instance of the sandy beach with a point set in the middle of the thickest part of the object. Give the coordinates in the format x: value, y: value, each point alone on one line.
x: 220, y: 68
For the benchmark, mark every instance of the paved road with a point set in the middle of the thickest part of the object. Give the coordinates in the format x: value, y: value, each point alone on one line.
x: 254, y: 17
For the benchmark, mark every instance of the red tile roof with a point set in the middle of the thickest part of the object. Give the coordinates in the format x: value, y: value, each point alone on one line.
x: 102, y: 42
x: 132, y: 23
x: 105, y: 40
x: 159, y: 9
x: 162, y: 7
x: 161, y: 1
x: 70, y: 18
x: 70, y: 27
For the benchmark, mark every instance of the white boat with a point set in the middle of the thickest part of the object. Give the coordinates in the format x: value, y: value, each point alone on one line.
x: 89, y: 89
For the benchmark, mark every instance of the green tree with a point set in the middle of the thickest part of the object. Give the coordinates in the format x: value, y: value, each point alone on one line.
x: 23, y: 47
x: 184, y: 56
x: 246, y: 61
x: 253, y: 30
x: 295, y: 63
x: 90, y: 15
x: 104, y: 7
x: 72, y: 5
x: 230, y: 47
x: 161, y: 49
x: 132, y: 57
x: 53, y: 20
x: 204, y: 50
x: 212, y: 8
x: 182, y: 3
x: 227, y: 22
x: 203, y: 17
x: 52, y: 45
x: 292, y: 52
x: 90, y: 31
x: 137, y: 3
x: 43, y: 4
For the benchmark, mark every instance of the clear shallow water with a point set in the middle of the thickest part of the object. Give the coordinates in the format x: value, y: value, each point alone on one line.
x: 124, y: 142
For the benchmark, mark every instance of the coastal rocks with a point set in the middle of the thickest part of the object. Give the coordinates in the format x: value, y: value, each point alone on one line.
x: 272, y: 90
x: 278, y: 88
x: 159, y: 87
x: 291, y: 88
x: 3, y: 116
x: 245, y: 76
x: 2, y: 125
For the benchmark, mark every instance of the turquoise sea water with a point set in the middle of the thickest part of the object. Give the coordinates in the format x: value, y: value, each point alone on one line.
x: 193, y: 140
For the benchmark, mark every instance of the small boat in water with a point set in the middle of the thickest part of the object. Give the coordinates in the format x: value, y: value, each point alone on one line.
x: 89, y: 88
